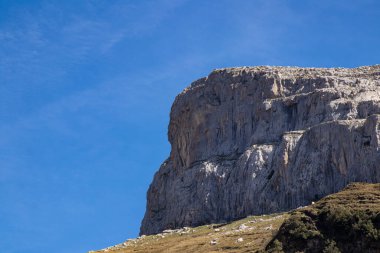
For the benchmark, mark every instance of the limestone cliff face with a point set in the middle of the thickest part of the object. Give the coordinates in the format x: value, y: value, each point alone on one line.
x: 256, y: 140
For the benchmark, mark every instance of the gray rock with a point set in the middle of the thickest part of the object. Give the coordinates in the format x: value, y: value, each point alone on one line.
x: 213, y: 242
x: 258, y: 140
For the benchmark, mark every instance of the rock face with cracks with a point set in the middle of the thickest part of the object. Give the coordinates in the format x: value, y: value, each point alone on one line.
x: 256, y: 140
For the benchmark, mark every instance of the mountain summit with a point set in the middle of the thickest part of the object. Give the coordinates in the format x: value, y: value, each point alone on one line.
x: 257, y: 140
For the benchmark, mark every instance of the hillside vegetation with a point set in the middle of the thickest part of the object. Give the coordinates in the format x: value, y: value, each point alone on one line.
x: 348, y: 221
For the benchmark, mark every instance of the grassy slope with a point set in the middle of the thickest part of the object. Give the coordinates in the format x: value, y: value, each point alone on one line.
x: 256, y: 232
x: 337, y: 223
x: 348, y: 221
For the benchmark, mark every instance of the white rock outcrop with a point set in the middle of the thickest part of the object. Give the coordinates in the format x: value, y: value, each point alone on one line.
x: 257, y: 140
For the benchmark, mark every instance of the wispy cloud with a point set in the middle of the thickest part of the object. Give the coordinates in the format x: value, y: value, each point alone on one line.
x: 39, y: 43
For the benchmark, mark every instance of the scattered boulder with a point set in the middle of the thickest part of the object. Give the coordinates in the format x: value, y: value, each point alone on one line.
x: 213, y: 242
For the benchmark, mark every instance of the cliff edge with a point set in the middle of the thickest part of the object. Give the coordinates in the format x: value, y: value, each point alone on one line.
x: 256, y: 140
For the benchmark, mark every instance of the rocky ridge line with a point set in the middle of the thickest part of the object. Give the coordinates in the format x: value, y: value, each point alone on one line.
x: 258, y: 140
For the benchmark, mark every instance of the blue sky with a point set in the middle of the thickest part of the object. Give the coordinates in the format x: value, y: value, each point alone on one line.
x: 86, y: 89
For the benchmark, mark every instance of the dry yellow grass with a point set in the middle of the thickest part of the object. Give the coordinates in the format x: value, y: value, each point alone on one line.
x: 255, y: 233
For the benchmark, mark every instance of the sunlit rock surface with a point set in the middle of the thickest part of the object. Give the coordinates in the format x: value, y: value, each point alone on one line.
x: 257, y: 140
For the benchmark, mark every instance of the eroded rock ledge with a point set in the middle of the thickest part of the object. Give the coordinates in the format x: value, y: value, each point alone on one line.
x: 257, y: 140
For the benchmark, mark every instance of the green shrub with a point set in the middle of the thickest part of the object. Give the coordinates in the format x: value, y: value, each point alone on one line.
x: 331, y: 247
x: 301, y: 227
x: 276, y: 247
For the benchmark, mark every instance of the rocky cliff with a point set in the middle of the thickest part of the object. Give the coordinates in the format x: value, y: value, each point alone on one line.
x: 257, y: 140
